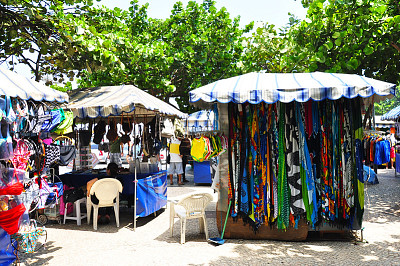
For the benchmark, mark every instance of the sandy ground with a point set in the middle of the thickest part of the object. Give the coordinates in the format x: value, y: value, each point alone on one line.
x: 151, y: 243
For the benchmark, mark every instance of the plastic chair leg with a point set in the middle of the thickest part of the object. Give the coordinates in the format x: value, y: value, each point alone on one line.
x: 116, y: 211
x: 78, y: 212
x: 205, y: 226
x: 183, y: 230
x: 201, y: 225
x: 95, y: 215
x: 88, y: 211
x: 171, y: 219
x: 65, y: 211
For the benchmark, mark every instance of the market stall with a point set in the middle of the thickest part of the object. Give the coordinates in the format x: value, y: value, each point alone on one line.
x: 197, y: 124
x: 394, y: 116
x: 135, y: 114
x: 27, y: 110
x: 294, y: 155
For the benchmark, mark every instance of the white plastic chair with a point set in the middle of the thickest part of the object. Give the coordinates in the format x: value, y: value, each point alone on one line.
x: 106, y: 190
x: 77, y: 211
x: 190, y: 207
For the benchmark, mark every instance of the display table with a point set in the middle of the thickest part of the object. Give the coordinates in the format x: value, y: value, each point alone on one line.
x: 151, y: 188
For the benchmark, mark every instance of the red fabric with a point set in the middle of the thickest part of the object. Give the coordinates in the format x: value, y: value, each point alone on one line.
x: 308, y: 118
x: 9, y: 220
x: 14, y: 189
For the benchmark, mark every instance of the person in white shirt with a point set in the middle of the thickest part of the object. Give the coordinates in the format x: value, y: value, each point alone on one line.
x: 175, y: 165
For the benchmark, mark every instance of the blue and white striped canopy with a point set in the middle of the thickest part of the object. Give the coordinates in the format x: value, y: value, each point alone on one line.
x: 201, y: 121
x: 115, y: 100
x: 393, y: 114
x: 15, y: 85
x: 256, y: 87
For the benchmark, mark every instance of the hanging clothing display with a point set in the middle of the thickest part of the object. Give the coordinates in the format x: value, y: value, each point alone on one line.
x: 292, y: 161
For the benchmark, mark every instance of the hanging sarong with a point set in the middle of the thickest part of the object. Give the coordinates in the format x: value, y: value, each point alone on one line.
x: 283, y: 190
x: 292, y: 160
x: 307, y: 174
x: 348, y: 160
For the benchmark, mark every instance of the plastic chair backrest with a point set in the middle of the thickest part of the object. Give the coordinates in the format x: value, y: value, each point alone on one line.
x: 106, y: 190
x: 196, y: 203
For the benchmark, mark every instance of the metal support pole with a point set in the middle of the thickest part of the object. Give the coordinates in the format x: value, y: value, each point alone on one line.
x: 134, y: 158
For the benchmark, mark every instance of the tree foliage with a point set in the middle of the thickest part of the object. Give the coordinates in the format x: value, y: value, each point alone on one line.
x: 196, y: 45
x: 34, y: 33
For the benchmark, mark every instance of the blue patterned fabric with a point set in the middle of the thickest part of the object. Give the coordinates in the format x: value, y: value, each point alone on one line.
x: 256, y: 87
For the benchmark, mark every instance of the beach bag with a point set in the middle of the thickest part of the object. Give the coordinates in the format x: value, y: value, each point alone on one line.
x: 112, y: 134
x: 57, y: 116
x: 27, y: 239
x: 104, y: 147
x: 73, y: 195
x: 99, y: 131
x: 65, y: 126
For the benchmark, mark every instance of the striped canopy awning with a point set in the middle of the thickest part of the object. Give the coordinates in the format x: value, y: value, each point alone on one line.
x: 201, y: 121
x: 393, y: 114
x: 380, y: 123
x: 116, y: 100
x: 15, y: 85
x: 256, y: 87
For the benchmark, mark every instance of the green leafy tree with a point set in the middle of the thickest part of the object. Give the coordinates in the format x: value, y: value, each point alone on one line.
x: 35, y: 33
x: 196, y: 45
x: 268, y: 50
x: 351, y: 36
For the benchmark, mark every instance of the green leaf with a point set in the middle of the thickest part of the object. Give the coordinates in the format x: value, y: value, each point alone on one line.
x: 336, y: 35
x: 368, y: 50
x: 338, y: 42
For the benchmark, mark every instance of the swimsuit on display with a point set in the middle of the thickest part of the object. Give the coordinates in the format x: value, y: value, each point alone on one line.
x: 14, y: 189
x: 9, y: 220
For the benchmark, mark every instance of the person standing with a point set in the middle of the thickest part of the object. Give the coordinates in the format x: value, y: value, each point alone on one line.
x: 184, y: 150
x: 116, y: 148
x: 175, y: 165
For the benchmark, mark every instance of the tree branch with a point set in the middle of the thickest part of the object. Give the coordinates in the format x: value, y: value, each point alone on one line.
x: 395, y: 46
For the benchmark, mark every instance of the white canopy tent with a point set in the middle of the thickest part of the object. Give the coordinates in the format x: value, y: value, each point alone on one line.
x: 256, y: 87
x: 15, y: 85
x: 115, y: 100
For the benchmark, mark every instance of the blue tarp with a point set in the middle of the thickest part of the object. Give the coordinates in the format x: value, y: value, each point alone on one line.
x: 151, y: 194
x: 7, y: 256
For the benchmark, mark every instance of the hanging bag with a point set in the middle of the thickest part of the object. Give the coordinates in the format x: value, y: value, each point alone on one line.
x: 99, y: 131
x: 65, y: 126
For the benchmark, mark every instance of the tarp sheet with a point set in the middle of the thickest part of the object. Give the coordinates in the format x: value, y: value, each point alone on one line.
x: 15, y: 85
x: 7, y: 256
x: 151, y: 194
x: 256, y: 87
x: 115, y: 100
